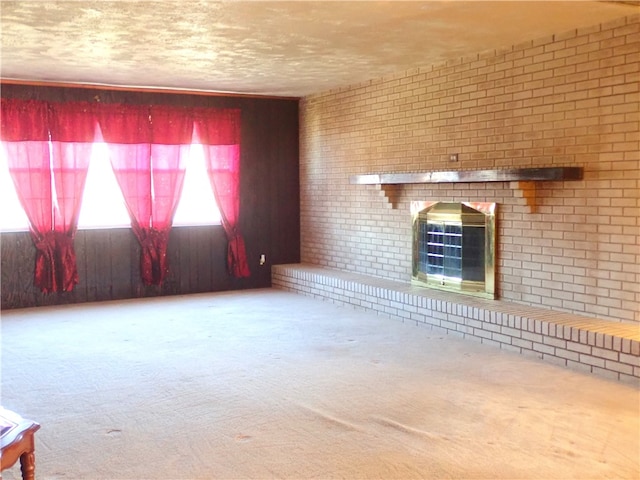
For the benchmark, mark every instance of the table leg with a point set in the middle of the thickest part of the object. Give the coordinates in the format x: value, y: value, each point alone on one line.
x: 28, y: 465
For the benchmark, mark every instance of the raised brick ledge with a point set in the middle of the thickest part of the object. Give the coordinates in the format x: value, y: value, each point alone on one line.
x: 604, y: 347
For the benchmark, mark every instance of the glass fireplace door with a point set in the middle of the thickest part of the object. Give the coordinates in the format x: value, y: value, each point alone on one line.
x: 453, y: 247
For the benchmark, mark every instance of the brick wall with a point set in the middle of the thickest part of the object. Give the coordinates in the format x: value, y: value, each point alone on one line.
x: 567, y: 100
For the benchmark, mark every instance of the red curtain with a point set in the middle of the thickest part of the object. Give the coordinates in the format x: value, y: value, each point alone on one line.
x: 148, y: 147
x: 48, y: 147
x: 219, y: 133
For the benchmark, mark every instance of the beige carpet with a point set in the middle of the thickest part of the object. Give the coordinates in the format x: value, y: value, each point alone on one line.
x: 268, y: 384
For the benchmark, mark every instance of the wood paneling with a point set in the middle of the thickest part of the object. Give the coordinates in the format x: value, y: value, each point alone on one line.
x: 108, y: 260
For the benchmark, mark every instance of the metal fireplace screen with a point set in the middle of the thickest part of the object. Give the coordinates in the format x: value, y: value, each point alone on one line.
x: 454, y: 246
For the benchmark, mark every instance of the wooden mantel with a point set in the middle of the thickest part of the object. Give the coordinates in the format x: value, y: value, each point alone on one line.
x: 521, y: 179
x: 471, y: 176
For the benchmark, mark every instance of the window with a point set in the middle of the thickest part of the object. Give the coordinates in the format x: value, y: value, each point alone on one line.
x: 12, y: 216
x: 101, y: 183
x: 197, y: 205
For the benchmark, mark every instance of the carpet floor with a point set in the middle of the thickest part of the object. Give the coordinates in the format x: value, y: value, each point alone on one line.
x: 269, y: 384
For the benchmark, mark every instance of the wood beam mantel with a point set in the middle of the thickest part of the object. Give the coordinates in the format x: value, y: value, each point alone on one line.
x: 523, y: 180
x: 471, y: 176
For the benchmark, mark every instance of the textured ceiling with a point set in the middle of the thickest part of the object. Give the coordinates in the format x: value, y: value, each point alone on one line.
x: 266, y: 48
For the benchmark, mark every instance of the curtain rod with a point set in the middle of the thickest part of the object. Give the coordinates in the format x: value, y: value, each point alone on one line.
x: 120, y: 88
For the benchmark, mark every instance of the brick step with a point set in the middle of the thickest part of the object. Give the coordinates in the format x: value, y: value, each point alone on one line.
x: 607, y: 348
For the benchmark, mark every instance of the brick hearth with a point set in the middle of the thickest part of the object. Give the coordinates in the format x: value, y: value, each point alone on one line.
x: 607, y: 348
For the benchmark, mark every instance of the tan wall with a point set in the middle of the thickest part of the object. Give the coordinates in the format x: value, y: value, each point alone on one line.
x: 567, y: 100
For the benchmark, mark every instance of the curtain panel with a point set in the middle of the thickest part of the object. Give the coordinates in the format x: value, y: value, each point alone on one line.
x: 48, y: 147
x: 219, y: 133
x: 148, y: 149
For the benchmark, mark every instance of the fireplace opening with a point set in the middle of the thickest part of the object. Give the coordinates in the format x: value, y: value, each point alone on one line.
x: 454, y: 246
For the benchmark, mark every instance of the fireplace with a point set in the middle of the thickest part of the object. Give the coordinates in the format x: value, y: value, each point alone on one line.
x: 454, y: 246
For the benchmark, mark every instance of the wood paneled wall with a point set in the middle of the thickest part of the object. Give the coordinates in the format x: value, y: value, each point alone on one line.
x: 108, y: 260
